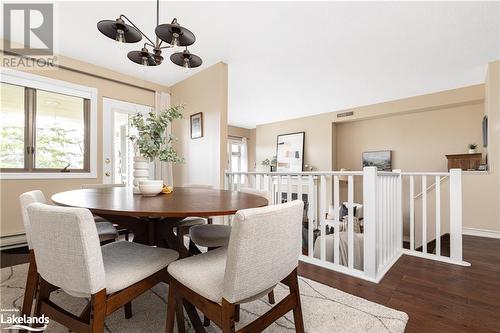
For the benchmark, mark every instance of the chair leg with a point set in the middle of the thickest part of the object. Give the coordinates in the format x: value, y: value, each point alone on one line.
x: 128, y: 310
x: 180, y: 315
x: 237, y: 312
x: 206, y: 321
x: 43, y: 295
x: 228, y: 310
x: 98, y: 312
x: 270, y: 296
x: 31, y: 286
x: 171, y: 309
x: 297, y: 310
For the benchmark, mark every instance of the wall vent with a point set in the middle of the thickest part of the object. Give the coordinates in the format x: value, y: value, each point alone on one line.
x: 345, y: 114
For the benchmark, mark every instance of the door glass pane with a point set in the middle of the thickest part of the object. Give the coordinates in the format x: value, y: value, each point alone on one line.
x: 11, y: 126
x: 60, y: 131
x: 123, y: 149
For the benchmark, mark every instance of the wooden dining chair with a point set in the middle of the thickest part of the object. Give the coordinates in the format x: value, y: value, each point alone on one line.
x: 184, y: 225
x: 263, y: 251
x: 216, y: 235
x: 69, y: 257
x: 120, y: 231
x: 105, y: 231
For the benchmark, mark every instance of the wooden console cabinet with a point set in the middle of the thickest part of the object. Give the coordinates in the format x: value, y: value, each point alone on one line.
x: 464, y: 161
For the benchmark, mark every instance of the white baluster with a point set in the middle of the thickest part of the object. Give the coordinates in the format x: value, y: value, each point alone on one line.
x: 310, y: 216
x: 280, y: 196
x: 258, y: 182
x: 380, y: 220
x: 238, y: 182
x: 270, y: 190
x: 336, y: 235
x: 299, y: 197
x: 322, y: 212
x: 438, y: 215
x: 370, y: 222
x: 456, y: 215
x: 424, y: 214
x: 350, y: 223
x: 289, y: 188
x: 412, y: 213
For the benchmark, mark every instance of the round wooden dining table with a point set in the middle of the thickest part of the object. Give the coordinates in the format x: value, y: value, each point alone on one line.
x: 153, y: 219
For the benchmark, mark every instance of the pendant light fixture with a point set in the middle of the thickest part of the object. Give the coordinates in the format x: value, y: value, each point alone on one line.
x: 186, y: 59
x: 122, y: 30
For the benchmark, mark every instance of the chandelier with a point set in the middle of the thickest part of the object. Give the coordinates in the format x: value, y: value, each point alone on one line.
x: 168, y: 36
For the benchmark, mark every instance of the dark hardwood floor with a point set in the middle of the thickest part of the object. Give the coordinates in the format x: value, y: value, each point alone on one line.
x: 438, y: 297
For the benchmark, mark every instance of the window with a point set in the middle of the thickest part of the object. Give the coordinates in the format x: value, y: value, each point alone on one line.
x: 45, y: 128
x: 238, y: 156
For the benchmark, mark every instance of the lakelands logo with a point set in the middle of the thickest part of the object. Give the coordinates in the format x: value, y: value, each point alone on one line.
x: 28, y: 35
x: 24, y: 322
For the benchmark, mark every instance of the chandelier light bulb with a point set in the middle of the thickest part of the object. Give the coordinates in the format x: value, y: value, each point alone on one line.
x: 186, y: 63
x: 175, y: 40
x: 145, y: 61
x: 120, y: 36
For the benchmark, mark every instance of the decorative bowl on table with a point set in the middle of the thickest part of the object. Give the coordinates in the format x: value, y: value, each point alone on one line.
x: 150, y: 188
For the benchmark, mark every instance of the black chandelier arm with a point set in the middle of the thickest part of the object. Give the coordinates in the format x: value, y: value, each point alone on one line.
x: 122, y: 16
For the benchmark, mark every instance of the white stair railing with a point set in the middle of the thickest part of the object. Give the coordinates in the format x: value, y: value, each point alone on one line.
x: 452, y: 225
x: 370, y: 254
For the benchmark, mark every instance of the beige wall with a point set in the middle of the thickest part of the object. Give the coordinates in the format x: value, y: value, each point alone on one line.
x: 205, y: 157
x: 249, y: 134
x: 418, y: 141
x: 456, y: 121
x: 318, y: 149
x: 10, y: 190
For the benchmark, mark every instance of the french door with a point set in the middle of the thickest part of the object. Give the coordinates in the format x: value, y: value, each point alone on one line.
x: 118, y: 151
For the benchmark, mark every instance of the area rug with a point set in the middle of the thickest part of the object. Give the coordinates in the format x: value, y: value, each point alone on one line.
x: 325, y: 309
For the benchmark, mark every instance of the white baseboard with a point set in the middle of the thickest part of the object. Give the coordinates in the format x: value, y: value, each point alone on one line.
x: 481, y: 232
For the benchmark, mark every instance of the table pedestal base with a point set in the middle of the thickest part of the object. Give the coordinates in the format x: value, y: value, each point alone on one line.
x: 160, y: 232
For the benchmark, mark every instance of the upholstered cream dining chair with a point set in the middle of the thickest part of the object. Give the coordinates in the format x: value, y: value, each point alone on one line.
x: 213, y: 236
x: 184, y: 226
x: 105, y: 231
x: 110, y: 227
x: 263, y: 251
x: 69, y: 257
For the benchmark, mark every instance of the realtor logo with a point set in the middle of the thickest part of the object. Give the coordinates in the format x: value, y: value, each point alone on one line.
x: 31, y: 23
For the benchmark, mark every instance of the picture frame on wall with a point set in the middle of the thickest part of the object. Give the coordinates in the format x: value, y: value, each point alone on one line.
x: 382, y: 159
x: 196, y: 125
x: 290, y: 152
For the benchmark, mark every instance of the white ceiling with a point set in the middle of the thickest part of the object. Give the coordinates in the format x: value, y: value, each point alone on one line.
x: 292, y: 59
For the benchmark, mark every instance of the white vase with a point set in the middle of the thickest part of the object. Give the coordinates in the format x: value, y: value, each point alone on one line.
x: 472, y: 151
x: 141, y: 171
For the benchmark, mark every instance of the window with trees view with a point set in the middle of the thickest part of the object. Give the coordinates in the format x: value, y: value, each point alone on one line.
x: 43, y: 131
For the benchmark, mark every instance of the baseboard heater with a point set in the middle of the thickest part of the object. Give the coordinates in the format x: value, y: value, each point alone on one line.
x: 12, y: 241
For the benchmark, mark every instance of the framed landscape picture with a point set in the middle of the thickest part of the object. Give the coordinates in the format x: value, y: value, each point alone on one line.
x: 196, y: 124
x: 290, y: 152
x: 381, y: 159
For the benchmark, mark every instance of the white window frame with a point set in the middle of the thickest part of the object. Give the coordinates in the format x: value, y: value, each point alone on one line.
x: 62, y: 87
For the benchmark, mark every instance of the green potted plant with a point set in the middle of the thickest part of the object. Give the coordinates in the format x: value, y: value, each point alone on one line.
x: 151, y: 142
x: 472, y: 148
x: 270, y: 163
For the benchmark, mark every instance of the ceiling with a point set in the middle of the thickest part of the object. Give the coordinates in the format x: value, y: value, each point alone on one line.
x: 293, y: 59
